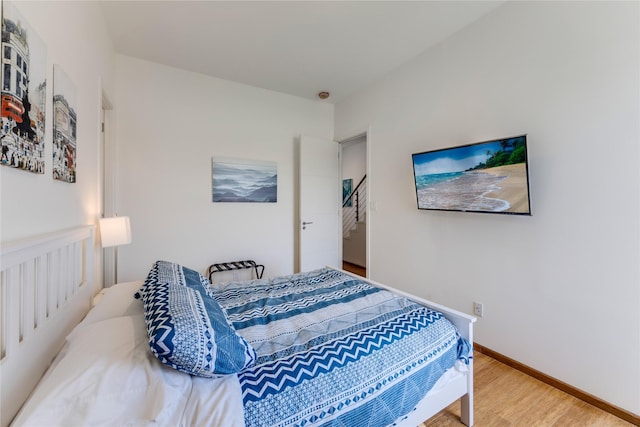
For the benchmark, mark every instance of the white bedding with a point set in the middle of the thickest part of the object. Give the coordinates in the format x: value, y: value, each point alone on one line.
x: 106, y: 375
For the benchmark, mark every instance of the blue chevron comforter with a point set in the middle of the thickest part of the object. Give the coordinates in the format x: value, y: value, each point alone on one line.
x: 335, y: 351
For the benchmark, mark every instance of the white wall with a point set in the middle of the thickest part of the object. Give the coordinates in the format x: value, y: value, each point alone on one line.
x: 76, y: 38
x: 354, y: 160
x: 560, y: 288
x: 170, y: 123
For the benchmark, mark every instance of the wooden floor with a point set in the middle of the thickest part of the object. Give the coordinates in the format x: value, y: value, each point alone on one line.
x: 506, y: 397
x: 355, y: 269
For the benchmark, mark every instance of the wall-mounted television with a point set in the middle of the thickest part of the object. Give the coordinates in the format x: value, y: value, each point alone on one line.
x: 489, y: 177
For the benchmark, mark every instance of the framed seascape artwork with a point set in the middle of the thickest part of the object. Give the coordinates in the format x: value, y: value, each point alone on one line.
x: 24, y: 62
x: 347, y: 185
x: 237, y: 180
x: 64, y: 127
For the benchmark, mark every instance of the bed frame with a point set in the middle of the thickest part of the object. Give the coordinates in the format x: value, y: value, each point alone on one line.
x: 461, y: 387
x: 46, y: 289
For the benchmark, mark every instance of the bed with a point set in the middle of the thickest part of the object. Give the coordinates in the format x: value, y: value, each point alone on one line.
x: 287, y: 351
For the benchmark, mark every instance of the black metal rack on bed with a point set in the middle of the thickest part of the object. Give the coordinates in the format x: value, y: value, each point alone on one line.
x: 236, y: 265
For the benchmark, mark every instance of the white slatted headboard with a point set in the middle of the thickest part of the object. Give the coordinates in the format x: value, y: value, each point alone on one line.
x: 45, y: 290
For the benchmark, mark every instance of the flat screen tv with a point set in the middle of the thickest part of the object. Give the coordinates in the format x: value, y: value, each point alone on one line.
x: 488, y: 177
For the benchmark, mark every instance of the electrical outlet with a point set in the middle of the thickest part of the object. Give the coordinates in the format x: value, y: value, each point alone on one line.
x: 478, y: 309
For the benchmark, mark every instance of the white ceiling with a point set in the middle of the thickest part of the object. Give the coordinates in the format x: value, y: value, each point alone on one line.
x: 294, y: 47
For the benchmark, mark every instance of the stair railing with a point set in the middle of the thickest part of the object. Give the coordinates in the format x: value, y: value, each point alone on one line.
x: 355, y: 213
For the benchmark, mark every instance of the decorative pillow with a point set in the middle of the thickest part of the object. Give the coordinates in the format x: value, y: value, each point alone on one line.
x: 187, y: 328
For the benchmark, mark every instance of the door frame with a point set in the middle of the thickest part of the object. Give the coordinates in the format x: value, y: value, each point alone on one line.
x: 108, y: 184
x: 366, y: 133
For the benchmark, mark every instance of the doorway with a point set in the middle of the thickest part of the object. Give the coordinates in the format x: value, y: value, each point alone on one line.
x: 355, y: 195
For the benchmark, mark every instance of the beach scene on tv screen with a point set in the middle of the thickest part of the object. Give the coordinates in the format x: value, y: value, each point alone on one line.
x: 484, y: 177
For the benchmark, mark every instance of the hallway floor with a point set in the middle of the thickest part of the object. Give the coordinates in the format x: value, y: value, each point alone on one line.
x: 355, y: 269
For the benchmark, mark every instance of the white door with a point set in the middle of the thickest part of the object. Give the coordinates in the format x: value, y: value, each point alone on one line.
x: 320, y: 207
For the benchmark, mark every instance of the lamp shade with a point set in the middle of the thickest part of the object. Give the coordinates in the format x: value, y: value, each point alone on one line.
x: 115, y: 231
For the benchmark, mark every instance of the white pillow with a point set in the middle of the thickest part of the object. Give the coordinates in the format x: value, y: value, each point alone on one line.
x: 116, y: 301
x: 108, y: 377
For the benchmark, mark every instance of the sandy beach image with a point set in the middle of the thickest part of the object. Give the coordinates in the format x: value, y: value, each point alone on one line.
x: 513, y: 188
x: 483, y: 177
x: 498, y: 189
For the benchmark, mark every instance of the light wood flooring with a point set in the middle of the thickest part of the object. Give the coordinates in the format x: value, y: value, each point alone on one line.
x: 507, y: 397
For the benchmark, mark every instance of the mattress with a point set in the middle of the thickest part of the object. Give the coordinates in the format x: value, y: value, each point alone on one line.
x: 308, y: 331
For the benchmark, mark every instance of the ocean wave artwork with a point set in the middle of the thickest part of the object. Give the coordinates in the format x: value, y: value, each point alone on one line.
x: 461, y: 191
x: 239, y: 180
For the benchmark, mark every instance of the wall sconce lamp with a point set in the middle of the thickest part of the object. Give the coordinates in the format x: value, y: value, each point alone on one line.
x: 115, y: 231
